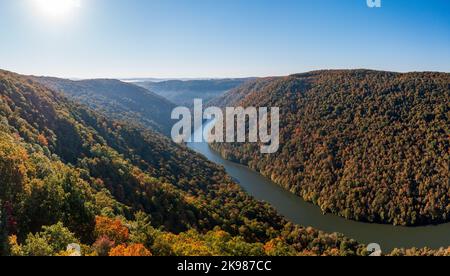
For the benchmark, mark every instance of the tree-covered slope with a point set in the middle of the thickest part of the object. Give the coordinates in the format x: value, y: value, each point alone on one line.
x: 70, y: 175
x: 370, y: 146
x: 121, y: 101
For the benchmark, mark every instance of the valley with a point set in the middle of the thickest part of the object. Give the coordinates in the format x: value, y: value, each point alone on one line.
x: 71, y: 175
x: 163, y: 197
x: 301, y: 212
x: 183, y: 92
x: 222, y: 134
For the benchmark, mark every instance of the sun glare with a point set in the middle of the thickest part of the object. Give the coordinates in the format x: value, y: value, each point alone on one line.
x: 57, y: 8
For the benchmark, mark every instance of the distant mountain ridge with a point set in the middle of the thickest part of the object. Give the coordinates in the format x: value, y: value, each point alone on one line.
x: 123, y: 101
x: 183, y: 92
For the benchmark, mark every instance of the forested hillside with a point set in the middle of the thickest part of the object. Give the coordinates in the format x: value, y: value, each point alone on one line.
x: 184, y: 92
x: 70, y: 175
x: 121, y: 101
x: 369, y: 146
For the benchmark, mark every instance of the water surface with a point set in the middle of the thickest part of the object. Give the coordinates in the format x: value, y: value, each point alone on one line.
x: 305, y: 214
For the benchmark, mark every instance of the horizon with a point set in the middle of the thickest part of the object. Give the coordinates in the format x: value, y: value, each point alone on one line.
x: 184, y: 79
x: 214, y: 129
x: 175, y: 39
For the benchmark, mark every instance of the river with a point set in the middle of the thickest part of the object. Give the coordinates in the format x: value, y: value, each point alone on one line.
x: 305, y: 214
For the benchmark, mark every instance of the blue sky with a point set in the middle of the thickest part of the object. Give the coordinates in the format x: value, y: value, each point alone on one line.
x: 223, y: 38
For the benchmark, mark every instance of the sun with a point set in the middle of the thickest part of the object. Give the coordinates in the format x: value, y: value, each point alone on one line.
x: 57, y: 8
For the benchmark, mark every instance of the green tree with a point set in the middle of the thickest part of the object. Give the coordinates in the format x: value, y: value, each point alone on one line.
x: 141, y: 231
x: 50, y: 241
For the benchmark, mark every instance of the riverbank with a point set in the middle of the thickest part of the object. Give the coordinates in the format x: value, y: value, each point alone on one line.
x: 300, y: 212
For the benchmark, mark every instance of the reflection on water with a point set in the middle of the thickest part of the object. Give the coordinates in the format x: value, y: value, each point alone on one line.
x: 305, y: 214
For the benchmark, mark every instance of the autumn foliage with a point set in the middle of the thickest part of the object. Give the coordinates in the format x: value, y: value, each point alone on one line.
x: 112, y: 229
x: 132, y: 250
x: 366, y: 145
x: 70, y: 175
